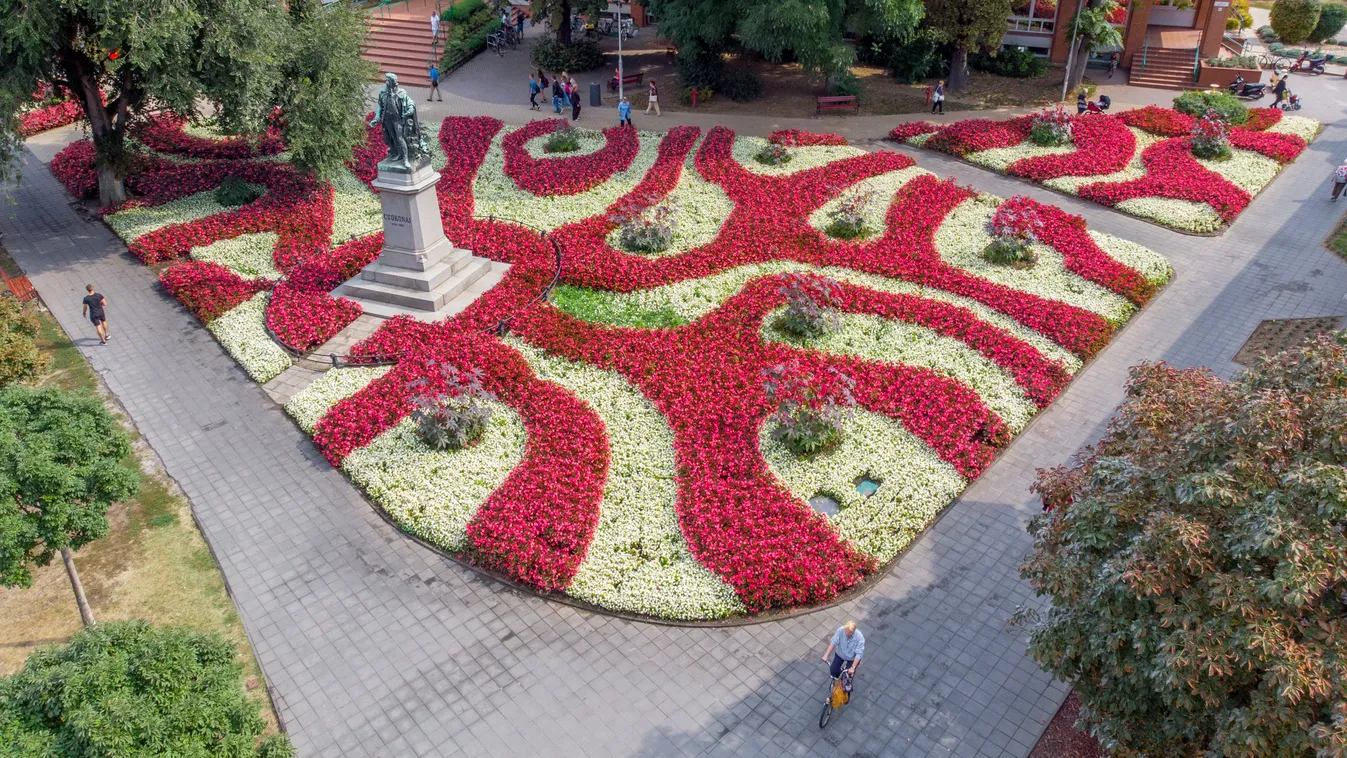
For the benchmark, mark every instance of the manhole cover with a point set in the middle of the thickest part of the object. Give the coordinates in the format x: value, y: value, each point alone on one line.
x: 1282, y: 334
x: 823, y: 504
x: 867, y: 486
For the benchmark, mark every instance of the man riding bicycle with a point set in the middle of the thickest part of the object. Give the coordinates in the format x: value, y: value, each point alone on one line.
x: 845, y: 649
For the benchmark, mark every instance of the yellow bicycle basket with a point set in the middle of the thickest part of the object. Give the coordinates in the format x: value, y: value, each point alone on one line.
x: 840, y: 695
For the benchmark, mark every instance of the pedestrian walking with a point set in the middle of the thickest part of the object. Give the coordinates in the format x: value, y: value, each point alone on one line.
x: 653, y: 100
x: 434, y: 82
x: 558, y: 91
x: 534, y: 89
x: 575, y: 102
x: 938, y: 98
x: 435, y: 26
x: 1339, y: 180
x: 624, y: 112
x: 1279, y: 91
x: 542, y: 80
x: 94, y: 305
x: 519, y: 24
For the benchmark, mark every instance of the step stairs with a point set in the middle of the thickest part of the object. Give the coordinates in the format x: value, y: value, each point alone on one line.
x: 402, y: 46
x: 307, y: 370
x: 1164, y: 68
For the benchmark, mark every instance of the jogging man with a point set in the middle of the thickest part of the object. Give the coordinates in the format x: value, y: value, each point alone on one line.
x: 93, y: 308
x: 845, y: 649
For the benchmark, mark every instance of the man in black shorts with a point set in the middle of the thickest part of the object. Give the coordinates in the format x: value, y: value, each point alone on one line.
x: 93, y: 308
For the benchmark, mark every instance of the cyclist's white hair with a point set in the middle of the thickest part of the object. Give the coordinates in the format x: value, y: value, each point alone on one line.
x: 850, y: 626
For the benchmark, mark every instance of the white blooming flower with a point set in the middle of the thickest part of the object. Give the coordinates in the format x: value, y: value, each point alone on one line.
x: 881, y: 188
x: 801, y: 158
x: 357, y: 211
x: 700, y: 209
x: 137, y: 222
x: 242, y: 331
x: 313, y: 402
x: 248, y: 255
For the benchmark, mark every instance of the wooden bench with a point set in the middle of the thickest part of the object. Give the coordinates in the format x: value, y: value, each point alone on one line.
x: 19, y: 286
x: 838, y: 103
x: 628, y: 80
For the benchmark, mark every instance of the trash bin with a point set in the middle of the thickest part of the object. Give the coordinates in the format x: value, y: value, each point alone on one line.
x: 595, y: 95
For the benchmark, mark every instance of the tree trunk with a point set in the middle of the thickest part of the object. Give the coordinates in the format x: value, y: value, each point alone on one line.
x: 86, y: 613
x: 1076, y: 74
x: 111, y: 189
x: 564, y: 29
x: 958, y: 69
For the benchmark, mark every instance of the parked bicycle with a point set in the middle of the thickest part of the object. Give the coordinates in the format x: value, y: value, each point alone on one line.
x: 496, y: 42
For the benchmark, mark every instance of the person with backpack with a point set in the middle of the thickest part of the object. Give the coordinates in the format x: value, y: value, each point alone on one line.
x: 557, y: 92
x: 434, y: 82
x: 534, y: 89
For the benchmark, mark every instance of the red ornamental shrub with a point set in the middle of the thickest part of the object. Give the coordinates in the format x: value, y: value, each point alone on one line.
x: 1171, y: 171
x: 1163, y: 122
x: 801, y: 138
x: 164, y: 133
x: 208, y: 289
x: 49, y: 117
x: 566, y: 176
x: 1262, y: 118
x: 904, y: 132
x: 1103, y: 146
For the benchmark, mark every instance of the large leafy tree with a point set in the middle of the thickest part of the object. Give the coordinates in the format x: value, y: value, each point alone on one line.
x: 810, y: 31
x: 558, y: 14
x: 120, y: 58
x: 61, y: 467
x: 130, y: 689
x: 1196, y: 560
x: 1093, y: 33
x: 967, y: 25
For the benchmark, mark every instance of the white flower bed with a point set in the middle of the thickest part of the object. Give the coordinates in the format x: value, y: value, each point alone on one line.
x: 1147, y: 262
x: 1180, y: 214
x: 497, y: 194
x: 1302, y: 127
x: 639, y: 561
x: 242, y: 331
x: 313, y: 402
x: 881, y: 188
x: 893, y: 341
x: 700, y: 210
x: 914, y: 483
x: 998, y: 158
x: 1245, y: 169
x: 431, y: 493
x: 356, y: 209
x: 802, y: 158
x: 248, y: 255
x: 137, y: 222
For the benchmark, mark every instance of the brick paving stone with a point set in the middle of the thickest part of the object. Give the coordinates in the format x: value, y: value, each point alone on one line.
x: 372, y: 645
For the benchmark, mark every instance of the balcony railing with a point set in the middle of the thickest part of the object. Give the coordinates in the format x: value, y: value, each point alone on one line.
x: 1026, y: 24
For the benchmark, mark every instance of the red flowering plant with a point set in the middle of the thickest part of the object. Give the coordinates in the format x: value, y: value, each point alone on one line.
x: 808, y: 410
x: 570, y: 175
x: 209, y: 290
x: 976, y: 135
x: 1262, y: 118
x: 1211, y: 137
x: 164, y: 133
x: 1163, y: 122
x: 905, y: 132
x: 801, y: 138
x: 1051, y: 127
x: 1103, y: 146
x: 47, y: 117
x: 1014, y: 227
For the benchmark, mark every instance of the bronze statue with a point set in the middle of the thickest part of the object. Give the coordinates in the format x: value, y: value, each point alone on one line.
x: 402, y: 128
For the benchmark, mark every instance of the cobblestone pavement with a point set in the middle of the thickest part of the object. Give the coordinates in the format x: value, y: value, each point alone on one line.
x: 375, y: 646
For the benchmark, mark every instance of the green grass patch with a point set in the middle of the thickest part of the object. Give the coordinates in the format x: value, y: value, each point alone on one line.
x: 600, y: 307
x: 1338, y: 241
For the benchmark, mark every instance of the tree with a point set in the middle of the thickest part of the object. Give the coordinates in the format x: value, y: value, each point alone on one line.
x: 248, y: 57
x: 130, y: 689
x: 558, y: 14
x: 60, y: 469
x: 1331, y: 18
x: 1240, y: 18
x: 967, y: 25
x: 20, y: 360
x: 809, y: 31
x: 1093, y: 34
x: 1196, y: 560
x: 1294, y: 20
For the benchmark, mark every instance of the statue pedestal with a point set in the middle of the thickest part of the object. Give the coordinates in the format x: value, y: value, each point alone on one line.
x: 418, y: 273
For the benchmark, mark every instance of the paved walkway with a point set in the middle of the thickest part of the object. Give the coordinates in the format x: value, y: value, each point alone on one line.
x: 374, y: 646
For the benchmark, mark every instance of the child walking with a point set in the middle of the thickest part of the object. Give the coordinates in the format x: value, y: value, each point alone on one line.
x: 624, y: 112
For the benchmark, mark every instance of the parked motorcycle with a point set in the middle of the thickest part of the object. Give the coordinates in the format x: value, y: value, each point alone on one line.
x: 1247, y: 91
x: 1310, y: 65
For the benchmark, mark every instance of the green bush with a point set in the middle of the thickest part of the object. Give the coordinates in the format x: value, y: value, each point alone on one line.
x: 1239, y: 61
x: 1198, y: 103
x: 1010, y: 61
x: 468, y: 38
x: 20, y: 360
x: 909, y: 60
x: 1331, y: 19
x: 1266, y: 34
x: 234, y: 192
x: 700, y: 71
x: 1240, y: 18
x: 1294, y: 20
x: 740, y: 86
x: 846, y: 84
x: 461, y: 11
x: 1014, y: 254
x: 550, y: 55
x: 773, y: 155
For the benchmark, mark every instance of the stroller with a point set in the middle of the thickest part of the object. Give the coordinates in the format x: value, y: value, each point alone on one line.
x: 1099, y: 106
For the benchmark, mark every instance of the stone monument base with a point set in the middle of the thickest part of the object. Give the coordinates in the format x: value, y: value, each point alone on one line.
x: 418, y: 273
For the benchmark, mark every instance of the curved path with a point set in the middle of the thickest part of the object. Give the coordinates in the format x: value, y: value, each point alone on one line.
x: 373, y: 646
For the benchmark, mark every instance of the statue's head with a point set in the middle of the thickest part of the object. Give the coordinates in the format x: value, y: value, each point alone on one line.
x: 391, y: 80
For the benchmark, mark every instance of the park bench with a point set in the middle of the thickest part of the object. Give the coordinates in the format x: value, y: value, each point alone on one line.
x: 19, y: 286
x: 838, y: 103
x: 628, y: 80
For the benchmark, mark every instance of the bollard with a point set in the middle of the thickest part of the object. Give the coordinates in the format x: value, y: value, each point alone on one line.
x: 694, y: 97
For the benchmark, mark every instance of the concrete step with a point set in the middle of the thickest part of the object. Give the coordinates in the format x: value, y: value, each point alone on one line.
x: 427, y: 280
x: 363, y: 291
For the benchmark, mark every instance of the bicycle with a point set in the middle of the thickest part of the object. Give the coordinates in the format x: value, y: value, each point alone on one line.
x: 839, y: 694
x: 496, y: 42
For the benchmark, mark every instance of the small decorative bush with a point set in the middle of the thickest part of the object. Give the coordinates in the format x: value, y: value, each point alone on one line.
x: 847, y: 221
x: 1331, y: 19
x: 455, y: 417
x: 1238, y: 61
x: 649, y: 232
x: 1266, y: 34
x: 1295, y: 20
x: 809, y: 409
x: 773, y: 155
x: 846, y: 84
x: 1211, y: 137
x: 461, y: 11
x: 20, y: 360
x: 1051, y: 127
x: 566, y: 139
x: 234, y: 192
x: 703, y: 95
x: 1198, y: 103
x: 550, y: 55
x: 811, y: 306
x: 1014, y: 228
x: 1011, y: 61
x: 740, y: 85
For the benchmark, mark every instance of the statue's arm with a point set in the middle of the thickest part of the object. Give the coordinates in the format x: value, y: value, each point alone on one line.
x: 378, y: 111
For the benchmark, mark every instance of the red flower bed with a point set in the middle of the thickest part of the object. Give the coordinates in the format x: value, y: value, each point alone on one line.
x: 73, y: 167
x: 304, y: 318
x: 905, y: 132
x: 365, y: 158
x: 976, y: 135
x: 1282, y: 148
x: 1262, y: 118
x: 1163, y: 122
x: 1103, y: 146
x: 801, y: 138
x: 208, y: 289
x: 164, y: 133
x: 1172, y: 172
x: 566, y: 176
x: 48, y: 117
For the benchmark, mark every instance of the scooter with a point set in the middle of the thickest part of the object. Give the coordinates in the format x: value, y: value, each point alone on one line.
x: 1310, y: 65
x: 1242, y: 89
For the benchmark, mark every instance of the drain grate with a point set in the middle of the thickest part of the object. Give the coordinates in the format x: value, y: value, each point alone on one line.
x: 1282, y: 334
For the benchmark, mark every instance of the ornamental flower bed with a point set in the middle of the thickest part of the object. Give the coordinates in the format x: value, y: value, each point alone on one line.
x: 629, y: 460
x: 49, y: 117
x: 1139, y: 162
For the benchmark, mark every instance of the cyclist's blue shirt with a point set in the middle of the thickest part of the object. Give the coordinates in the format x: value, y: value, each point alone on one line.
x: 849, y: 648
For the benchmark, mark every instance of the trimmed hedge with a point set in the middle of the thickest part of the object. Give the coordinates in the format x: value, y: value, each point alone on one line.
x: 461, y: 11
x: 1224, y: 103
x: 468, y: 38
x: 1331, y: 20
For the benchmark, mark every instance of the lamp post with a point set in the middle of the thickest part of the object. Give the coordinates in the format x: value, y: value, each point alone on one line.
x: 620, y: 90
